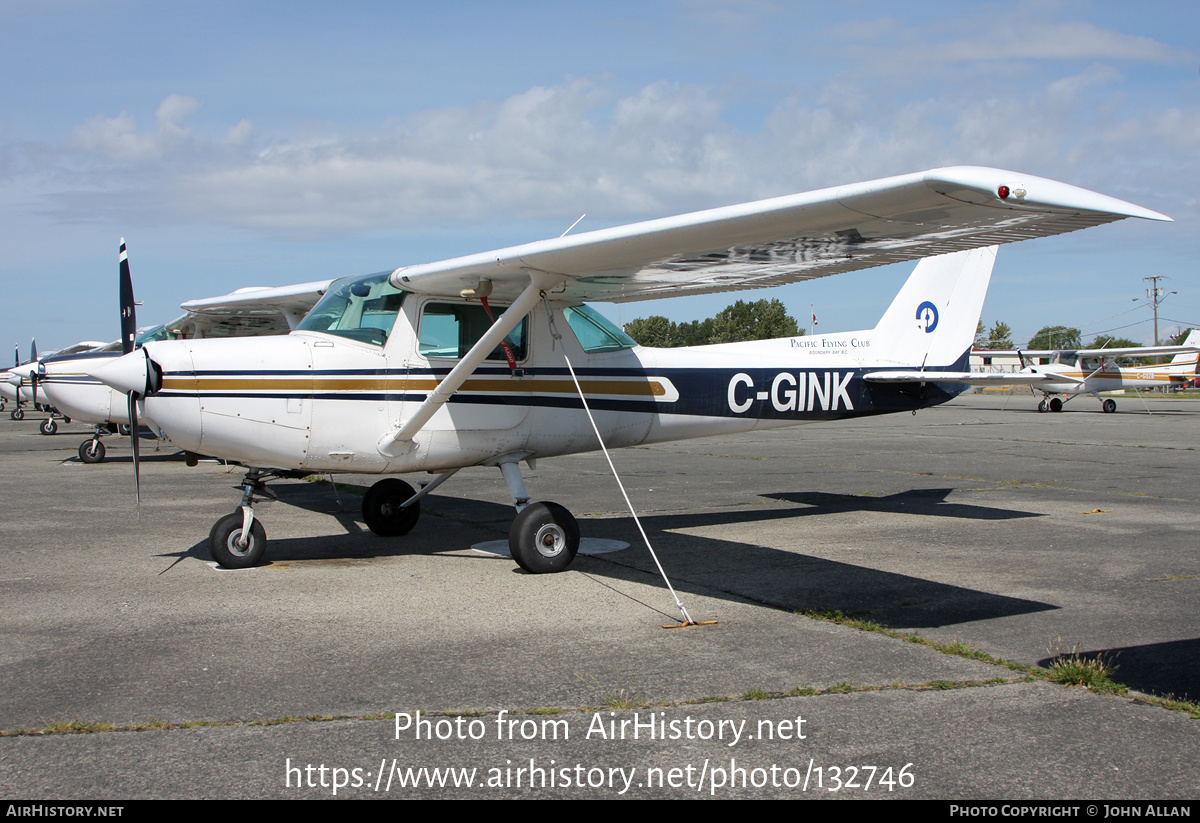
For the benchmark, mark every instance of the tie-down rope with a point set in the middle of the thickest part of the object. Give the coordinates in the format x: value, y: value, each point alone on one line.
x: 687, y: 618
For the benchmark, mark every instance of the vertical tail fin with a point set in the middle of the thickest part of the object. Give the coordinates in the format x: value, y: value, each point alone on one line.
x: 1193, y: 339
x: 933, y: 319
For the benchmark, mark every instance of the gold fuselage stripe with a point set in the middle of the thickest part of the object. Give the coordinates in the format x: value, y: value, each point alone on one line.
x: 520, y: 385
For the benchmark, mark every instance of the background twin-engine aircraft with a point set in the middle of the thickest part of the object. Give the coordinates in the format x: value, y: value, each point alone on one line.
x: 412, y: 371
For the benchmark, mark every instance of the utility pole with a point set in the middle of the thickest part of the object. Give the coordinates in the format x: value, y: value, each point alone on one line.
x: 1156, y: 296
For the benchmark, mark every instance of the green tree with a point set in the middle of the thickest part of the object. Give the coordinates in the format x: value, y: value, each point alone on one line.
x: 999, y: 337
x: 696, y: 333
x: 1105, y: 341
x: 1056, y: 337
x: 761, y: 320
x: 656, y: 331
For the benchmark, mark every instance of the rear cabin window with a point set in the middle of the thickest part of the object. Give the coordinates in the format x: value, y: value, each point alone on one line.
x: 449, y: 330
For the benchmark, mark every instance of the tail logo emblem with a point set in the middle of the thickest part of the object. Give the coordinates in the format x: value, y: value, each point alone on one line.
x: 927, y: 317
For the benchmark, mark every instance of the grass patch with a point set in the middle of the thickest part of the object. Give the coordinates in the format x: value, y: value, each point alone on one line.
x: 1070, y: 668
x: 755, y: 694
x: 1092, y: 672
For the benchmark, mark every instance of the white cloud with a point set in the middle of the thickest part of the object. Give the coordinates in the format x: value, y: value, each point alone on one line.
x: 554, y: 151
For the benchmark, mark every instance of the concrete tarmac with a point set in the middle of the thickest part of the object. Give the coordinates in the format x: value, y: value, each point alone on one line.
x: 1019, y: 534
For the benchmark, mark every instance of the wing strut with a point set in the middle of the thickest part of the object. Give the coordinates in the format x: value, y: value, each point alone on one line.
x: 400, y: 441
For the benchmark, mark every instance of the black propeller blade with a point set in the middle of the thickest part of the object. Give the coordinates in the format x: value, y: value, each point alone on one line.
x: 128, y: 310
x: 128, y: 336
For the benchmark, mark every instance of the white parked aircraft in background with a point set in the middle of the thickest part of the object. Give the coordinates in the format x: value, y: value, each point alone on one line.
x: 249, y: 312
x: 21, y: 383
x: 1072, y: 372
x: 407, y: 371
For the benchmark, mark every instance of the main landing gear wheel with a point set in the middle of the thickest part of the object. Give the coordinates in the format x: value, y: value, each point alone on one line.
x: 382, y: 509
x: 1109, y: 406
x: 17, y: 414
x: 1056, y: 404
x: 91, y: 451
x: 48, y: 426
x: 224, y: 542
x: 544, y: 538
x: 1042, y: 406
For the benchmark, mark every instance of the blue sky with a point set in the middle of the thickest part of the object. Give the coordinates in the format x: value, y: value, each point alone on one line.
x: 267, y: 143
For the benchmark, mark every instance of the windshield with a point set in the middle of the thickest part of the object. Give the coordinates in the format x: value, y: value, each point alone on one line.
x: 362, y: 308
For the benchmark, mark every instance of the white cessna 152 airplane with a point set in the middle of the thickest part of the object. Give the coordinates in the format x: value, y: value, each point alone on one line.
x: 247, y: 312
x: 20, y: 383
x: 406, y: 370
x: 1073, y: 372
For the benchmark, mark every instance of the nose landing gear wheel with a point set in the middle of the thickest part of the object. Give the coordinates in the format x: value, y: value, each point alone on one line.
x: 48, y: 426
x: 1109, y: 406
x: 382, y: 510
x: 91, y: 451
x: 223, y: 542
x: 544, y: 538
x: 1042, y: 406
x: 17, y: 414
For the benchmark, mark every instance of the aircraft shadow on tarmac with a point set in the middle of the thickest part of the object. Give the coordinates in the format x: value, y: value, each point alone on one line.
x: 1170, y: 669
x: 709, y: 566
x: 915, y: 501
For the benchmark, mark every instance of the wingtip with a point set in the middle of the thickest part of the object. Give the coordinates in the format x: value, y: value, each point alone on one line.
x: 1037, y: 191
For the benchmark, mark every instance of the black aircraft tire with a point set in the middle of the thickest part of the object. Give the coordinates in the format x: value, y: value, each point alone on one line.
x: 1109, y: 405
x: 1056, y: 404
x: 48, y: 426
x: 544, y: 538
x: 18, y: 414
x: 91, y: 451
x: 223, y: 547
x: 382, y: 512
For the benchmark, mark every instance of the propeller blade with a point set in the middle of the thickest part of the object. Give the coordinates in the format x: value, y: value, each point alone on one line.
x: 33, y: 350
x: 133, y: 441
x: 1021, y: 357
x: 16, y: 355
x: 128, y: 312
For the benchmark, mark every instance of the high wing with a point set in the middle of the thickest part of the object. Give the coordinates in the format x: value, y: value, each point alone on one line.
x: 233, y: 314
x: 785, y: 239
x: 1136, y: 351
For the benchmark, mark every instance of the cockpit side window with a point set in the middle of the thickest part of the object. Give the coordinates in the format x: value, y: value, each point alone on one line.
x: 594, y: 332
x: 449, y: 330
x: 361, y: 308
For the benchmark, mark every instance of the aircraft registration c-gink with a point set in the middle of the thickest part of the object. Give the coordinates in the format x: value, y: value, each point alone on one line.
x: 407, y: 371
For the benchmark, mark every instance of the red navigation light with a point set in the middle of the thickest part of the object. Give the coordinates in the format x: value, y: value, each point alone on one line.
x: 1003, y: 192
